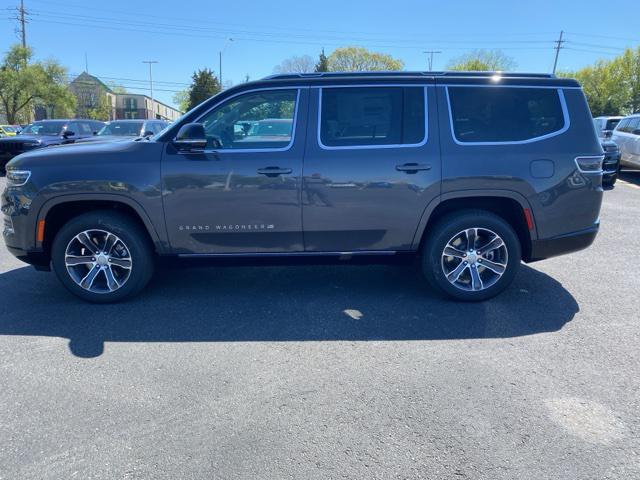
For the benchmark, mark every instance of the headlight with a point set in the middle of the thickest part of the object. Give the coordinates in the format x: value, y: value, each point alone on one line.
x: 17, y: 178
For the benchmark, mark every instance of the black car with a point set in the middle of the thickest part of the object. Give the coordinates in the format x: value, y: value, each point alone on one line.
x: 470, y: 172
x: 610, y: 164
x: 46, y: 133
x: 117, y: 130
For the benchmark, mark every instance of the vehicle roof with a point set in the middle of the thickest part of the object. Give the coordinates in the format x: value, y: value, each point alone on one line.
x: 611, y: 117
x: 443, y: 77
x: 66, y: 120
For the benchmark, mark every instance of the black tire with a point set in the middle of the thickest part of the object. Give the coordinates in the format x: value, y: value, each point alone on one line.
x: 133, y: 237
x: 445, y: 230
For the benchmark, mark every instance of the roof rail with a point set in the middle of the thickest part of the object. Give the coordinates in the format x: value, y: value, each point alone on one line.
x: 289, y: 76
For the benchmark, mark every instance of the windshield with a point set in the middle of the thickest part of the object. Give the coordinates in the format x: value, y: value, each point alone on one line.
x: 123, y: 129
x: 8, y: 128
x: 271, y: 127
x: 44, y: 128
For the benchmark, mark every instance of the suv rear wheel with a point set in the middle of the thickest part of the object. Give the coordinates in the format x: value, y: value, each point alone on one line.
x: 471, y: 255
x: 102, y: 257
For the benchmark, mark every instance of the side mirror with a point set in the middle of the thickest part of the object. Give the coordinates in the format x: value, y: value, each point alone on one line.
x: 607, y: 133
x: 191, y: 136
x: 68, y: 133
x: 148, y: 133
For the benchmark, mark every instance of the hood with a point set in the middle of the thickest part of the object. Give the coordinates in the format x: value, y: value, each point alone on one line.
x: 39, y: 139
x: 106, y: 138
x: 72, y: 155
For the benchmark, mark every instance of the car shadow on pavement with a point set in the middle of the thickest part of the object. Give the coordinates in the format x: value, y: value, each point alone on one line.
x: 630, y: 176
x: 280, y: 304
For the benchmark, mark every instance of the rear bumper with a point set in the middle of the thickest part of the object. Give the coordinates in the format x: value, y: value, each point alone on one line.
x: 570, y: 242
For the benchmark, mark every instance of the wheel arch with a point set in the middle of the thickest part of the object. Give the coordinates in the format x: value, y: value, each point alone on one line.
x: 509, y: 205
x: 59, y: 210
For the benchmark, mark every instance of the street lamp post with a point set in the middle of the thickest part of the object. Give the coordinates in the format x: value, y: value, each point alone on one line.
x: 153, y: 106
x: 226, y: 43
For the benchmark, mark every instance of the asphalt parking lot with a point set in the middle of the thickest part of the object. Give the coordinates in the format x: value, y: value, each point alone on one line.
x: 330, y: 372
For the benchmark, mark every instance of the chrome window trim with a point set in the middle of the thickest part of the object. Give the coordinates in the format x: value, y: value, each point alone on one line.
x: 370, y: 147
x: 563, y: 105
x: 494, y: 85
x: 255, y: 150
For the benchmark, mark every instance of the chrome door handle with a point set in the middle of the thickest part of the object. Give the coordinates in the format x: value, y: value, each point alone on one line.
x: 413, y: 167
x: 274, y: 171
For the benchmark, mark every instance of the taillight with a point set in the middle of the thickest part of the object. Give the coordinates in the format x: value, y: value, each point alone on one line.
x: 590, y: 164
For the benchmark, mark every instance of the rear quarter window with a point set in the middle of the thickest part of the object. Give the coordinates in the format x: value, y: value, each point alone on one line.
x: 505, y: 114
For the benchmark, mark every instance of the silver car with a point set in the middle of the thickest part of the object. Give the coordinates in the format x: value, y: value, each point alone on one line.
x: 627, y: 136
x: 605, y: 125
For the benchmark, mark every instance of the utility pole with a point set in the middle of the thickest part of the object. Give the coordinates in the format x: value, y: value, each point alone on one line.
x: 153, y: 106
x: 220, y: 61
x: 23, y: 31
x: 558, y: 46
x: 430, y: 54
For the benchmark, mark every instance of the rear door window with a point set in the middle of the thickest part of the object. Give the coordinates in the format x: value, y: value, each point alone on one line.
x: 505, y: 114
x: 372, y: 116
x: 634, y: 124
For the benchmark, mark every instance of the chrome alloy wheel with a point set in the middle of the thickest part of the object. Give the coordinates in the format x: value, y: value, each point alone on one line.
x: 98, y: 261
x: 474, y: 259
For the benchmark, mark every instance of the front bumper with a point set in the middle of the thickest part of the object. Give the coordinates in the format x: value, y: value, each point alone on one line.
x: 562, y: 244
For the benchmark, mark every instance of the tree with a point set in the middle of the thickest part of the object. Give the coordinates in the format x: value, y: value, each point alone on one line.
x: 103, y: 110
x: 483, y: 60
x: 303, y: 64
x: 203, y: 86
x: 357, y: 59
x: 24, y: 84
x: 612, y: 87
x: 323, y: 63
x: 181, y: 99
x: 116, y: 88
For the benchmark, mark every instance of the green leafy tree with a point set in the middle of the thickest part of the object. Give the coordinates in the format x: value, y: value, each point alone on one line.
x: 116, y: 88
x: 24, y: 84
x: 482, y: 61
x: 612, y: 87
x: 323, y: 63
x: 357, y: 59
x: 103, y: 110
x: 181, y: 99
x: 203, y: 86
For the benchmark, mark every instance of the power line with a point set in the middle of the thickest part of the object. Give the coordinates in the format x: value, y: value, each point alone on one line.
x: 56, y: 17
x: 190, y: 22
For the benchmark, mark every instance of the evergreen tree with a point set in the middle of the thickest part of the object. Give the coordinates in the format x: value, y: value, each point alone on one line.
x: 323, y: 63
x: 204, y: 85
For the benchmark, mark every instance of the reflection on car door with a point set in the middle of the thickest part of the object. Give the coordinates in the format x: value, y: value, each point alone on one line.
x: 242, y: 194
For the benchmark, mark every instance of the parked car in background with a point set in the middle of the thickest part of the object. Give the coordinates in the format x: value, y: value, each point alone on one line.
x: 126, y: 129
x: 471, y: 173
x: 45, y: 133
x: 605, y: 125
x: 7, y: 131
x: 627, y: 136
x: 610, y: 164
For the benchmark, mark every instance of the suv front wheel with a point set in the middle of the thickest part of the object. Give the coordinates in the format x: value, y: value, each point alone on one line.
x: 471, y: 255
x: 102, y: 257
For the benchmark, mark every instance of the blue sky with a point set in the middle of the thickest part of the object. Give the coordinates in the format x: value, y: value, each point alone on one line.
x: 183, y: 36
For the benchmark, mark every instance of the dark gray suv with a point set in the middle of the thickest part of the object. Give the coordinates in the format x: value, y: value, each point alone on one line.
x: 470, y: 172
